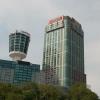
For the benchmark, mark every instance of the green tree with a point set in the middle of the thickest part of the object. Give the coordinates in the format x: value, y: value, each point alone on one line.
x: 81, y: 92
x: 48, y: 92
x: 10, y: 92
x: 31, y: 91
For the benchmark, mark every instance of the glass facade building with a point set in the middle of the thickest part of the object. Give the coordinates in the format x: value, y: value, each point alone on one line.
x: 64, y: 51
x: 18, y: 44
x: 18, y: 72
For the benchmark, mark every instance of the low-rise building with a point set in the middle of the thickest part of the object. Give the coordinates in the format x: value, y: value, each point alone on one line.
x: 17, y: 72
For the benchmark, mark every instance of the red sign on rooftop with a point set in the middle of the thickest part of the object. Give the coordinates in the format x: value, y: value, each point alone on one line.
x: 56, y: 20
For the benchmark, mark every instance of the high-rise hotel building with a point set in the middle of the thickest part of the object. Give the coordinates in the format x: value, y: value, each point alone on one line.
x: 63, y: 54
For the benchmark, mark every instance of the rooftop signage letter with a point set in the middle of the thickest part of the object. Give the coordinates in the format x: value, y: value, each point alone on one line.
x: 56, y: 20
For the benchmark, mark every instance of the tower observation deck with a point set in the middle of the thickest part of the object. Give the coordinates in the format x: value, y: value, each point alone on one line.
x: 18, y: 45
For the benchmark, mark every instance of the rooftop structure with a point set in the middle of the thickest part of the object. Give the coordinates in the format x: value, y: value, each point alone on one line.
x: 18, y: 45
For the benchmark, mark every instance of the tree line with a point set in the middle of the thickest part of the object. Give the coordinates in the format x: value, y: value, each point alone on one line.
x: 33, y: 91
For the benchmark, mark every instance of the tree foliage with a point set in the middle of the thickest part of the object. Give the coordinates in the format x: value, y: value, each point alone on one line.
x: 33, y: 91
x: 81, y: 92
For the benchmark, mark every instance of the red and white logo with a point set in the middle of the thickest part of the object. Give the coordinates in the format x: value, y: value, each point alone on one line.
x: 56, y: 20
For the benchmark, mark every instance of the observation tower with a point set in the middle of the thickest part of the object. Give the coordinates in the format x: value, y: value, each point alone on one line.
x: 18, y: 45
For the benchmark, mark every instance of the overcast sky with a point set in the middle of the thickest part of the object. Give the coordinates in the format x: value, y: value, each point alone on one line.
x: 33, y: 15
